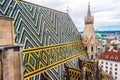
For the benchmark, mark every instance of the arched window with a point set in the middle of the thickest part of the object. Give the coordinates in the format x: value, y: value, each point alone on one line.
x: 91, y: 56
x: 96, y: 55
x: 92, y: 49
x: 86, y: 48
x: 116, y: 58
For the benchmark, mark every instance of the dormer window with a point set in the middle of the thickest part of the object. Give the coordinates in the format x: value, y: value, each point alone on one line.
x: 116, y: 58
x: 111, y: 57
x: 106, y: 56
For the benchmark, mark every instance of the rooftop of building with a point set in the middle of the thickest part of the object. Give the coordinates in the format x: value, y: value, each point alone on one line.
x: 50, y: 9
x: 113, y: 55
x: 37, y: 5
x: 99, y: 36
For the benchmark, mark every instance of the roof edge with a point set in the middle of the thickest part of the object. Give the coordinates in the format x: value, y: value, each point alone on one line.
x: 37, y: 5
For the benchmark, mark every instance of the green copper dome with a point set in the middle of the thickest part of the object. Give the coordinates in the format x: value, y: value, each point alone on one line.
x: 99, y: 36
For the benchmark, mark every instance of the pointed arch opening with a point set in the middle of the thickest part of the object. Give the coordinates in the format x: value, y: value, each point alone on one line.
x: 91, y: 56
x: 86, y: 48
x: 92, y: 48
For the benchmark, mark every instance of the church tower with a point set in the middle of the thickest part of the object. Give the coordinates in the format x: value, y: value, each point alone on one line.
x: 89, y: 37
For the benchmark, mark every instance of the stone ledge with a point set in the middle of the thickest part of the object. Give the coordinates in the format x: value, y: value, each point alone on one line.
x: 11, y: 46
x: 5, y: 17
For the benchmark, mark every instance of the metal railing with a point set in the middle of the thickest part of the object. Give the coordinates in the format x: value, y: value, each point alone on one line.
x: 40, y: 59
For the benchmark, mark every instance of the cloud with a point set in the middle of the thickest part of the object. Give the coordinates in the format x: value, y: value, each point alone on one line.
x: 105, y: 12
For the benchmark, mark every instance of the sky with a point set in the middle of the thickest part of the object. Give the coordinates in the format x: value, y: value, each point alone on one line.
x: 106, y: 12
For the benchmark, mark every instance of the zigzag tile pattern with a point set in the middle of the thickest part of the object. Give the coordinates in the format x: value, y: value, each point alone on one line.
x: 39, y: 26
x: 45, y: 58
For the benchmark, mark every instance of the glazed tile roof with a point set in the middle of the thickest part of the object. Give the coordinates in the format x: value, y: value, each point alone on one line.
x: 112, y: 55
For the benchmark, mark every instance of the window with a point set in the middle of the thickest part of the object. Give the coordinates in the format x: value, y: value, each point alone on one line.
x: 116, y: 58
x: 106, y: 71
x: 110, y: 64
x: 91, y: 56
x: 86, y: 48
x: 96, y: 55
x: 106, y: 63
x: 92, y: 49
x: 106, y: 56
x: 102, y: 66
x: 115, y: 77
x: 102, y: 62
x: 115, y: 65
x: 111, y: 57
x: 115, y: 69
x: 106, y: 67
x: 110, y: 68
x: 115, y: 73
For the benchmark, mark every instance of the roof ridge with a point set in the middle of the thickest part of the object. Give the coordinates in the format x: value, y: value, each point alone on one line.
x: 42, y: 6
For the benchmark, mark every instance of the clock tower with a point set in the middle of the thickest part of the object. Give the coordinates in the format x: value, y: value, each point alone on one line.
x: 89, y: 38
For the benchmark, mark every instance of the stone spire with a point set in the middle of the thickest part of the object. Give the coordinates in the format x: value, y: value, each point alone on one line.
x: 89, y: 12
x: 89, y: 37
x: 89, y: 19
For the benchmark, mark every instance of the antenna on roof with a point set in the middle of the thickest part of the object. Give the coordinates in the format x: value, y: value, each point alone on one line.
x: 67, y: 9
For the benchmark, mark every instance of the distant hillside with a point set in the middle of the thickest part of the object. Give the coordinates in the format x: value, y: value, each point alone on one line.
x: 102, y: 32
x: 108, y: 31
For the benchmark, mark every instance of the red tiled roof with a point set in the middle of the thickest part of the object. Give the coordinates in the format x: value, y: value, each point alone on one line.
x: 110, y: 55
